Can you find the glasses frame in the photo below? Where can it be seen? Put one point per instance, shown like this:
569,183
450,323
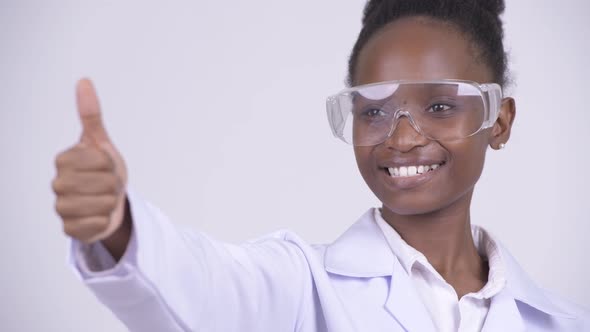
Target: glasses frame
490,92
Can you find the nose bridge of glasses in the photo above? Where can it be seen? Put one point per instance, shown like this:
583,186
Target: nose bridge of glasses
398,116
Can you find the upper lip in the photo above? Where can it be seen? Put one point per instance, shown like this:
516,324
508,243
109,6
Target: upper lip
399,162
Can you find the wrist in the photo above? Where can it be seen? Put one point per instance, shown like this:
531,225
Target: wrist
117,242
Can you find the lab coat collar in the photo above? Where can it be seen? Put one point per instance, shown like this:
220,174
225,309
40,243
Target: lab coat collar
410,312
524,289
503,312
362,251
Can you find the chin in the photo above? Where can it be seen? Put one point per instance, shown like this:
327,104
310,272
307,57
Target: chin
411,209
426,202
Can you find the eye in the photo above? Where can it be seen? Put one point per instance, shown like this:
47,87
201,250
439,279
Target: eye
373,112
436,108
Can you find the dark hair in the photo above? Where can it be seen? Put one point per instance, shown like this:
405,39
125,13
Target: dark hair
478,19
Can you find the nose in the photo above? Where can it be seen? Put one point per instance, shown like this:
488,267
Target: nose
404,134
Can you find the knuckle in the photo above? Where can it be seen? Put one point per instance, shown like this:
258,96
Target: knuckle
84,229
56,185
96,207
69,229
69,207
60,206
60,185
61,159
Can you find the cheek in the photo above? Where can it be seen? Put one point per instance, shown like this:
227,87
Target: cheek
366,166
468,161
363,160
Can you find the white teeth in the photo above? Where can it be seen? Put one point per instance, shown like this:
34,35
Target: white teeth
403,171
406,171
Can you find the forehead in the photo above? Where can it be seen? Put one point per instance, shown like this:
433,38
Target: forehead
419,48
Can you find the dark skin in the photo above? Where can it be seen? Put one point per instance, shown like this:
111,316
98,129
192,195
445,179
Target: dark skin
433,216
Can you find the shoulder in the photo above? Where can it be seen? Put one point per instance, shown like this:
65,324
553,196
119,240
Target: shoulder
538,305
565,315
286,242
541,306
576,310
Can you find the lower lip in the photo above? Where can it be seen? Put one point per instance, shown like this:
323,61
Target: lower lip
409,182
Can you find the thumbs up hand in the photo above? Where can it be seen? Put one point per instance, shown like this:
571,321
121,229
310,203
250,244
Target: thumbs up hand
91,180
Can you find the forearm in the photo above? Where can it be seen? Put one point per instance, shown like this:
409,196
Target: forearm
168,279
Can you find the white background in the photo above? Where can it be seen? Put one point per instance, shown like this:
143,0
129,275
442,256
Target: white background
218,109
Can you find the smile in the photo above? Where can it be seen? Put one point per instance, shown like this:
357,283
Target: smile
408,171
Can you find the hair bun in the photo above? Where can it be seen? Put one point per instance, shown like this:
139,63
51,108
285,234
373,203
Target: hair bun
494,7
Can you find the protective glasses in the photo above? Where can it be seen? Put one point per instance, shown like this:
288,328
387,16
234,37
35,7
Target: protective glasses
442,110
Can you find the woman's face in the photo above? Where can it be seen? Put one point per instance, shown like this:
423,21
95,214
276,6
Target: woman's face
421,49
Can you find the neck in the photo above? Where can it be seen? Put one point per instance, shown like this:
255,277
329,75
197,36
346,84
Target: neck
444,237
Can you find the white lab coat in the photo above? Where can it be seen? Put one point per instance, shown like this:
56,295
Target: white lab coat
171,280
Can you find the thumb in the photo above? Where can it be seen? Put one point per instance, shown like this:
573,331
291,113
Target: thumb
93,130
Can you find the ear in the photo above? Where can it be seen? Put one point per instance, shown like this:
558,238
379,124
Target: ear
501,130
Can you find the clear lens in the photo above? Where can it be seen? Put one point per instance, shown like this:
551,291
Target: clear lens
445,110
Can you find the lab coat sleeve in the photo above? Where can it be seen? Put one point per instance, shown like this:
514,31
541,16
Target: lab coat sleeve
174,280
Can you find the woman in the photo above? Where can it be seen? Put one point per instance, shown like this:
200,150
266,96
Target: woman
425,103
